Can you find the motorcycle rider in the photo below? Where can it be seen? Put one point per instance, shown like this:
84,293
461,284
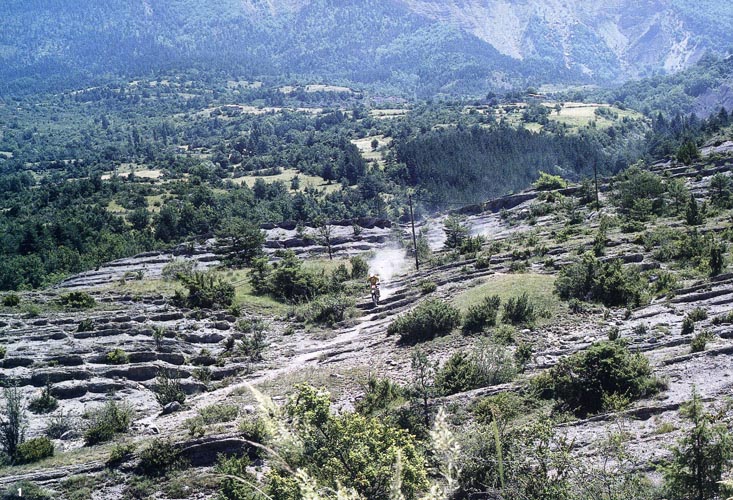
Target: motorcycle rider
373,281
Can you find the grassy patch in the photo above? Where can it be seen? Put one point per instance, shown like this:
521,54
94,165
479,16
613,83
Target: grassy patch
347,381
74,457
146,287
244,295
326,265
287,176
537,286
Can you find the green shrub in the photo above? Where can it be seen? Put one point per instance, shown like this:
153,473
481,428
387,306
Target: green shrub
522,356
13,420
483,261
218,413
287,279
248,325
716,257
81,487
195,426
85,325
428,320
519,310
471,245
503,334
3,351
504,406
701,456
117,357
255,429
11,300
697,314
726,318
237,480
34,450
30,491
253,345
547,182
159,458
77,300
203,374
353,450
168,388
582,382
359,267
119,453
178,269
45,403
688,326
205,290
326,309
636,184
427,287
606,282
700,341
455,232
641,329
106,422
486,365
379,396
60,425
481,316
518,266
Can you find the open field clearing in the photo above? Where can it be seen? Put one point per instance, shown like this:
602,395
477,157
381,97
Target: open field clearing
388,113
287,176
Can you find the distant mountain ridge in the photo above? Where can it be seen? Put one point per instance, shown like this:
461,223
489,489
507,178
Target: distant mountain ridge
416,46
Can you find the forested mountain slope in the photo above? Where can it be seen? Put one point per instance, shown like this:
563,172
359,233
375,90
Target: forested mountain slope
413,46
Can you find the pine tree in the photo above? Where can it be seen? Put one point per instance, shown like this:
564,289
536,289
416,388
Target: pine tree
700,456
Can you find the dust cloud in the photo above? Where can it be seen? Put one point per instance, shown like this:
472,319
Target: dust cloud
386,263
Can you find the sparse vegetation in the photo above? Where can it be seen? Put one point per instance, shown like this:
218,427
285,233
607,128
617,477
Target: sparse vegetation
85,325
700,341
106,422
326,310
168,388
45,403
159,458
120,452
183,161
488,364
25,490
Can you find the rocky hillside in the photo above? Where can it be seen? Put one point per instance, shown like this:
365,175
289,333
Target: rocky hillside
134,339
608,41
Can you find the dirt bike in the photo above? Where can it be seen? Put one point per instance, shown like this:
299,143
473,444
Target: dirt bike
375,295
